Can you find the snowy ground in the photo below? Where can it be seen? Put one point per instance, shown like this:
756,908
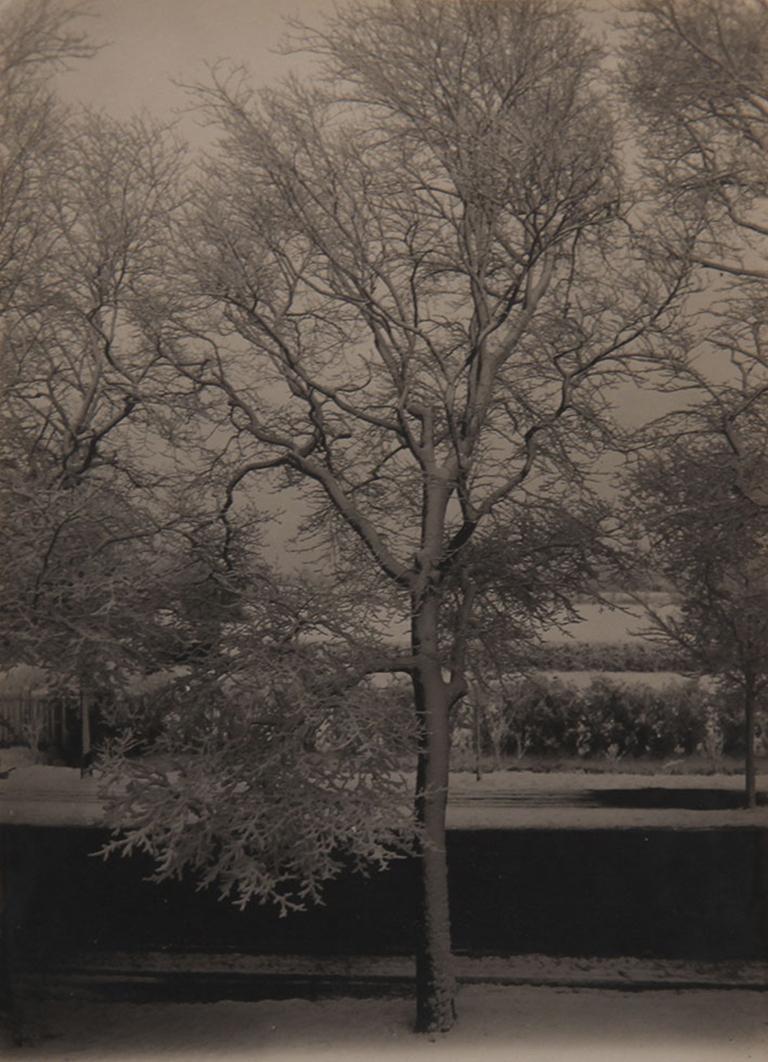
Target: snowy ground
520,1024
540,1014
41,795
561,800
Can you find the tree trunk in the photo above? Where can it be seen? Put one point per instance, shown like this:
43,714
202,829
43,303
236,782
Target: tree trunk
435,982
750,772
85,729
476,737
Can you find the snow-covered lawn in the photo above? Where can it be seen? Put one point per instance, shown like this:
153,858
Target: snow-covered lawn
583,971
499,800
551,800
519,1024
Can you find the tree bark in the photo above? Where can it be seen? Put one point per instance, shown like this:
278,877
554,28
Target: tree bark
750,771
476,736
85,729
435,981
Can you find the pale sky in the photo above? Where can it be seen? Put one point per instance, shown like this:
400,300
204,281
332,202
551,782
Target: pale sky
152,43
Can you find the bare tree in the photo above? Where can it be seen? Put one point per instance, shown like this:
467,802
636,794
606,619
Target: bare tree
86,406
695,71
695,75
36,38
409,288
87,414
76,367
704,532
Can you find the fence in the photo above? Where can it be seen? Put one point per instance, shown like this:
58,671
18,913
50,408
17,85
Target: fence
27,718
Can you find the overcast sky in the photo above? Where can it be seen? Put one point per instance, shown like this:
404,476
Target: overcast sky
152,43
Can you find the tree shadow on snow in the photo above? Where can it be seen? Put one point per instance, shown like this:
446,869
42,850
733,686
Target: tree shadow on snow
657,797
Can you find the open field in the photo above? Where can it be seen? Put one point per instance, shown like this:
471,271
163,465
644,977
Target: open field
623,621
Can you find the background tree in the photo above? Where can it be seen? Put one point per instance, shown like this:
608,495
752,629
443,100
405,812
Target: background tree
79,379
695,76
408,290
96,516
96,592
86,410
695,73
36,39
708,537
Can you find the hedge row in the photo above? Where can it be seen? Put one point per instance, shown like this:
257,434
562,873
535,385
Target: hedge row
603,656
545,717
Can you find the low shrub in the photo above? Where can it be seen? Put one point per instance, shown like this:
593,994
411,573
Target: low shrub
542,716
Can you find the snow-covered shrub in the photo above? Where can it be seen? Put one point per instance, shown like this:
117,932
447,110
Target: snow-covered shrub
268,784
606,718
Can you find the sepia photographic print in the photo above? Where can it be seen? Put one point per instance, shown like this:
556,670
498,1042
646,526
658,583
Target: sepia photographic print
384,530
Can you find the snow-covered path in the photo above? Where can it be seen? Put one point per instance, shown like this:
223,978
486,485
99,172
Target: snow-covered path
495,1023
